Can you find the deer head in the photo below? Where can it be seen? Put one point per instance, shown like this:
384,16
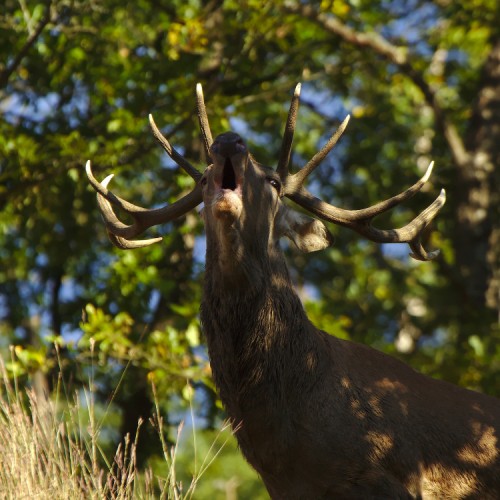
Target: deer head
234,180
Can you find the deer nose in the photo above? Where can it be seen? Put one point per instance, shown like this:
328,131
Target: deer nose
228,144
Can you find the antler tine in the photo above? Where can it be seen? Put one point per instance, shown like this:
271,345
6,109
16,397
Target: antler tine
299,178
423,220
286,144
113,224
124,244
175,155
360,220
203,119
121,233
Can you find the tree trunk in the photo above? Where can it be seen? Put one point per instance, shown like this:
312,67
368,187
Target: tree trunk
477,237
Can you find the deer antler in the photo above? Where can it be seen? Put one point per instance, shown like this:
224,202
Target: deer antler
121,234
358,220
203,119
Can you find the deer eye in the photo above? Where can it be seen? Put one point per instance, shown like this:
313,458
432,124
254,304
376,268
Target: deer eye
274,183
203,181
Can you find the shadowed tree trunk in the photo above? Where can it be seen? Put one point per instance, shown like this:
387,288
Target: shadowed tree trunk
478,234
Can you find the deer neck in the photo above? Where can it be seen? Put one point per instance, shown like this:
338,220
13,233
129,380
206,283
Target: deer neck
252,318
244,259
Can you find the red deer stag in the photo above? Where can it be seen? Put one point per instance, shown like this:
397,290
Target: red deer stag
316,416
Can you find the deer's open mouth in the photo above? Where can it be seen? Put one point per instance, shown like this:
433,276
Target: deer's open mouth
228,176
227,197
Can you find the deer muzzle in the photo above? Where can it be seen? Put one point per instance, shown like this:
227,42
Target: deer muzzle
230,157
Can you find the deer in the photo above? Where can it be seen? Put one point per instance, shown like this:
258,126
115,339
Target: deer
316,416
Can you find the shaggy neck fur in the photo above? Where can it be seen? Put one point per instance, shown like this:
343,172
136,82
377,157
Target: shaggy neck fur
253,320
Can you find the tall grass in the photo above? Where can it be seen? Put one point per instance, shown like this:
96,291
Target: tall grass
48,452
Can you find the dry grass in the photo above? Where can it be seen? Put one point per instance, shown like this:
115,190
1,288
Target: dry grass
48,453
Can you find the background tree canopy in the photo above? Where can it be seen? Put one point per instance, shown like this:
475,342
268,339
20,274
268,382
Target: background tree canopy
421,80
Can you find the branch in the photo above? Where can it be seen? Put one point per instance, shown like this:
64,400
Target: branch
9,69
396,55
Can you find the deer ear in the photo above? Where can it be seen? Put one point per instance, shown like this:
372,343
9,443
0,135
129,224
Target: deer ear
308,234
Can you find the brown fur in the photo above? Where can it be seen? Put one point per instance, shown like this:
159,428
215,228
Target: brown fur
316,416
